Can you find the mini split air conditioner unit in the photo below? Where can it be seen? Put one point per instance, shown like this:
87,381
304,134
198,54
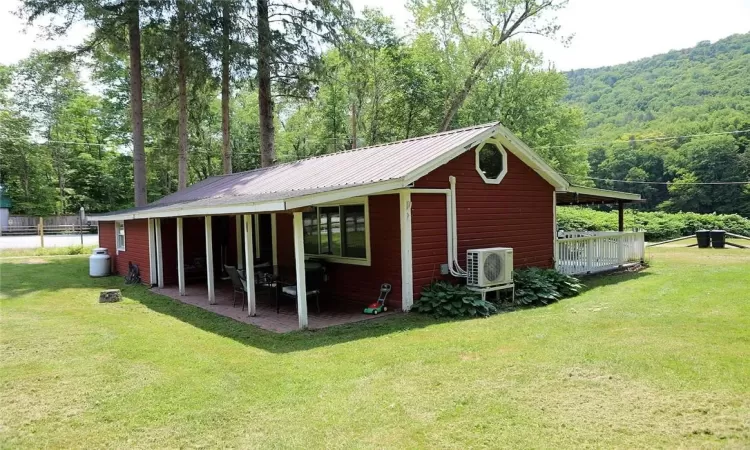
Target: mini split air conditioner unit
489,267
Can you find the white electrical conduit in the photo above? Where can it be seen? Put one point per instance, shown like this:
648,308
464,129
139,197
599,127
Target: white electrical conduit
453,266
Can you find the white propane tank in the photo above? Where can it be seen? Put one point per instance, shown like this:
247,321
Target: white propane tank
99,263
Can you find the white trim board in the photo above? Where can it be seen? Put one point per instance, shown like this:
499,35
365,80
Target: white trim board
583,190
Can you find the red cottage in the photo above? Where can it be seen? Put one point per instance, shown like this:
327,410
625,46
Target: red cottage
405,213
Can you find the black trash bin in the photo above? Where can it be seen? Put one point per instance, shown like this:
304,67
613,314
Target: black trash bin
718,238
704,238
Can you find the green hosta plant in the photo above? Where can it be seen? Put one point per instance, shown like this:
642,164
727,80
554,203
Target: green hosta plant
443,299
536,286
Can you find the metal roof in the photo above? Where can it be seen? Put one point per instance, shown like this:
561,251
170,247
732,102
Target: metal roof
374,165
332,177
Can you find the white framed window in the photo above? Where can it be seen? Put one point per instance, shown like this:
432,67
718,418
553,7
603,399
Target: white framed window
338,232
120,235
491,161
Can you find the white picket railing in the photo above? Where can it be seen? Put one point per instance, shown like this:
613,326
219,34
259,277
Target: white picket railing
590,252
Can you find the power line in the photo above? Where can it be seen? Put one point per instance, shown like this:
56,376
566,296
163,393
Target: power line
665,138
659,182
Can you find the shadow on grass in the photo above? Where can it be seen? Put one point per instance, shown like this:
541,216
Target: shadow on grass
606,279
20,279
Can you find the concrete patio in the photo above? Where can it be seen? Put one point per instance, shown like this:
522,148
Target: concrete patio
266,318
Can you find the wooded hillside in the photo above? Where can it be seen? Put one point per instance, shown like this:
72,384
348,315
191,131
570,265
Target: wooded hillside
700,90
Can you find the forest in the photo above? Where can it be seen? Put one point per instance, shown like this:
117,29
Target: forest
168,92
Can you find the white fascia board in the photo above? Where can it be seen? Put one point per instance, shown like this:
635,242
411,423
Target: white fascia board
448,156
343,194
198,211
530,158
603,193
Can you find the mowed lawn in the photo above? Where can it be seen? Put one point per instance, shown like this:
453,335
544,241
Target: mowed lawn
660,358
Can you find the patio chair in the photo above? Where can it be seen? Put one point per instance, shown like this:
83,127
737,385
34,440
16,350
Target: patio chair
314,273
238,285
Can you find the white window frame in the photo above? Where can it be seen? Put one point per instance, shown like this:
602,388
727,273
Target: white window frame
118,224
344,259
505,161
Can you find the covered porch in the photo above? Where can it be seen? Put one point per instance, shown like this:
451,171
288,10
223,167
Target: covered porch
266,316
248,267
587,252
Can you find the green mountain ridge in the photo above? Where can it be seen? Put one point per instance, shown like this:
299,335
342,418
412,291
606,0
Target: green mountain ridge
700,90
695,90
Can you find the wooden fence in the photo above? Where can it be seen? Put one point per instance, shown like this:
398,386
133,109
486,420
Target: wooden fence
30,225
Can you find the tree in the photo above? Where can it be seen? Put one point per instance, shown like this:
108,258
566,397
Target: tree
182,57
108,20
501,21
289,53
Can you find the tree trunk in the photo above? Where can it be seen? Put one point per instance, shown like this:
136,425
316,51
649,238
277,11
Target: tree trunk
182,132
265,100
226,150
354,126
458,100
136,102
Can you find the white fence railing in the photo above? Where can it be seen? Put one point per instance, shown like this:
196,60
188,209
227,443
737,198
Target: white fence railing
590,252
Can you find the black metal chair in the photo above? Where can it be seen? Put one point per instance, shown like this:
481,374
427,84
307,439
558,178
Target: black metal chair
314,275
238,285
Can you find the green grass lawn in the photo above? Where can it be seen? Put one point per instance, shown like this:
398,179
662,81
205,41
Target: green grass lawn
659,358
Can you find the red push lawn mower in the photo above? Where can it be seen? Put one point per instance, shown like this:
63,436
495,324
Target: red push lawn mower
379,306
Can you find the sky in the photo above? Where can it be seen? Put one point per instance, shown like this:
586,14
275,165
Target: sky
606,32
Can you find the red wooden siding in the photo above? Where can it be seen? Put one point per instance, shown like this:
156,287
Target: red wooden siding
352,283
136,247
429,226
107,240
516,213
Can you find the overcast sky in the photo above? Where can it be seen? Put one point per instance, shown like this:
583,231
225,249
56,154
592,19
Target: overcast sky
606,32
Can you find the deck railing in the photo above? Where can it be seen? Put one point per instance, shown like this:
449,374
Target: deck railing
590,252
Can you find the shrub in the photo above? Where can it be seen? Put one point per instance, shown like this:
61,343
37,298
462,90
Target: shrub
659,226
443,299
536,286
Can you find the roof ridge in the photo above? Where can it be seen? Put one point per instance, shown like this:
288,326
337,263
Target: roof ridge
416,138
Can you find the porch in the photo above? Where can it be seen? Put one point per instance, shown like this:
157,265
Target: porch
266,317
586,252
590,252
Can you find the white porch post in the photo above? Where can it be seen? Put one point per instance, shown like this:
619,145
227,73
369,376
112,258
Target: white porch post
210,262
153,276
555,250
238,238
159,254
299,266
180,256
249,264
407,276
275,255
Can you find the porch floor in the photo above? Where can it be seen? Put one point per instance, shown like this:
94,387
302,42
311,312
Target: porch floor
266,317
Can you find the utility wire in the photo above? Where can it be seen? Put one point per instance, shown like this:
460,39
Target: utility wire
658,182
665,138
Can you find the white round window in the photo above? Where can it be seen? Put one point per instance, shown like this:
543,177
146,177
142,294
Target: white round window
492,162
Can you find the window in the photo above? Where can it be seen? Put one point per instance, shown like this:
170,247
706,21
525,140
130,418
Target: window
492,162
337,233
120,235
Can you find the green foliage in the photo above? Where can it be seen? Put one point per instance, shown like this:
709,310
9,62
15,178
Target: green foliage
443,299
659,226
47,251
699,90
535,286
